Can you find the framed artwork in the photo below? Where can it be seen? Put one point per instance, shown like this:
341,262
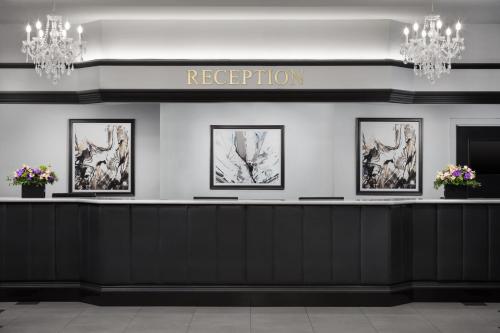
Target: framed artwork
101,156
247,157
389,156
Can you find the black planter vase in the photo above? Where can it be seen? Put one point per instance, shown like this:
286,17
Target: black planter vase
455,192
30,191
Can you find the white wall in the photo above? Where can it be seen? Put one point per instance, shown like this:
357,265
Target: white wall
11,37
246,39
251,39
185,147
38,134
173,142
315,77
319,143
438,136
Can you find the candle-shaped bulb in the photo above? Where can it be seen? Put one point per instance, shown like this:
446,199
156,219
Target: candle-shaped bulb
406,32
40,33
415,26
67,25
439,24
38,25
28,32
458,27
448,31
79,29
424,34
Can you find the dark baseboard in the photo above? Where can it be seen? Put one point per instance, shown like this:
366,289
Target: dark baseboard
152,295
251,95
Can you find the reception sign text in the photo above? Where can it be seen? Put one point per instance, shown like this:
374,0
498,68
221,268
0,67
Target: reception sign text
270,77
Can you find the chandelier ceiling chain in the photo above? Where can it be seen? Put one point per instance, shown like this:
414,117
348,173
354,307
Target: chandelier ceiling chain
51,50
432,50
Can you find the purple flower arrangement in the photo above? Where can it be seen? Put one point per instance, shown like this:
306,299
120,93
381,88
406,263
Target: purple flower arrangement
456,175
29,176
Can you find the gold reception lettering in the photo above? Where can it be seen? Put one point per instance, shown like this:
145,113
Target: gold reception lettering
216,77
277,77
206,77
259,73
243,77
233,76
297,77
247,74
192,73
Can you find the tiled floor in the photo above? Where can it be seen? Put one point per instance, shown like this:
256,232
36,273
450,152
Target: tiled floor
415,317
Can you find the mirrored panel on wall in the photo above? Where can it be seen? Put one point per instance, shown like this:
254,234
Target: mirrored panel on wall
101,156
247,157
389,156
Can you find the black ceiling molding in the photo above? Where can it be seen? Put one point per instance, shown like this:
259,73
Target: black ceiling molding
243,62
252,95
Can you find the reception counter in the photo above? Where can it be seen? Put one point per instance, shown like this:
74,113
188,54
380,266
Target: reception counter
255,252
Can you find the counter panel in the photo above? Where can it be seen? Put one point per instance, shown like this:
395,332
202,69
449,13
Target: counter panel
122,247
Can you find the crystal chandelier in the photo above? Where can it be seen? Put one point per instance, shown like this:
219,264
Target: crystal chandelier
431,50
51,49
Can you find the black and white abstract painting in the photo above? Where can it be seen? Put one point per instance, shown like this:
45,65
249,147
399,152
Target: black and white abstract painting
102,156
389,157
247,157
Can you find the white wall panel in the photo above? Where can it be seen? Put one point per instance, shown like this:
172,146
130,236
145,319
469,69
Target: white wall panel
185,147
251,39
315,77
38,134
319,140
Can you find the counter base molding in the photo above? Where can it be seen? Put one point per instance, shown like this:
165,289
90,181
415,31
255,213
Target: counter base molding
153,295
247,254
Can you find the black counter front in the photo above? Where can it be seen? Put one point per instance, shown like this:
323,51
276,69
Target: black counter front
249,253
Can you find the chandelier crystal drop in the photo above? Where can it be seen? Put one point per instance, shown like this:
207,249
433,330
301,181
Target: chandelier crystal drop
51,49
432,49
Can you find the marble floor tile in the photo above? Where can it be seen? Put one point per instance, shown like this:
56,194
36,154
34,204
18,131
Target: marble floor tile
38,322
334,310
161,319
100,322
333,323
490,314
71,317
8,315
460,322
405,309
6,305
283,319
401,323
220,320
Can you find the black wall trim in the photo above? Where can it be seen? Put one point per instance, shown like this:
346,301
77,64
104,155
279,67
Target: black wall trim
251,95
251,62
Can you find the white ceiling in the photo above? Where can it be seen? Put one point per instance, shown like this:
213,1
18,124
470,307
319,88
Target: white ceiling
470,11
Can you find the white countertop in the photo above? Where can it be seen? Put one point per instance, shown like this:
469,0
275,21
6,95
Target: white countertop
386,202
